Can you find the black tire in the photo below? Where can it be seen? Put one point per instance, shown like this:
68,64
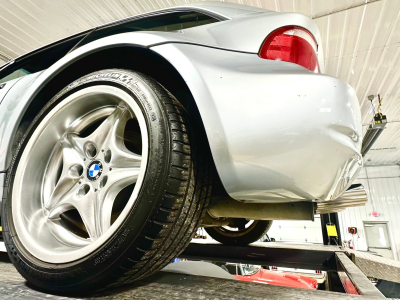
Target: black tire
240,237
167,212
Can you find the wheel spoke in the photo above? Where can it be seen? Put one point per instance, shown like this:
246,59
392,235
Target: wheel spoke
83,122
111,185
65,235
64,204
87,207
83,199
120,157
112,128
53,168
115,151
72,172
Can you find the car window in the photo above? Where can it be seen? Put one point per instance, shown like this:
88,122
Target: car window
232,269
250,269
164,22
39,59
16,74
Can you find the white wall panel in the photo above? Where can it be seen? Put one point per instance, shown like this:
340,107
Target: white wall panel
297,231
383,187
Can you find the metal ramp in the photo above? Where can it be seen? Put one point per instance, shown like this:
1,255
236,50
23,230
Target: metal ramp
348,265
345,266
375,266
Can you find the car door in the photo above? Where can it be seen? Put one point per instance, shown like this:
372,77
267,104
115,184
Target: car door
378,240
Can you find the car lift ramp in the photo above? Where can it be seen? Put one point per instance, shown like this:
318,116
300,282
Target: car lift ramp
348,268
167,285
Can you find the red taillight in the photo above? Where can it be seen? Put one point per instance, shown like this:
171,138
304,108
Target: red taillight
292,44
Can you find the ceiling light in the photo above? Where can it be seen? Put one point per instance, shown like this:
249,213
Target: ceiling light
374,130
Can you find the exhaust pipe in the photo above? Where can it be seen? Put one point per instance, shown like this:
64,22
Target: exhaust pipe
229,208
356,195
221,208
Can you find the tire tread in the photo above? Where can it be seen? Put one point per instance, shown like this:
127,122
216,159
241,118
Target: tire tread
184,202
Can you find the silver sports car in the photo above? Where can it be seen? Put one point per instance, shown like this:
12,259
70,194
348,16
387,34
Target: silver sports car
117,143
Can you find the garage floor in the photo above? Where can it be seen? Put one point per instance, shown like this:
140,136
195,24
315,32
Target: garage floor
165,285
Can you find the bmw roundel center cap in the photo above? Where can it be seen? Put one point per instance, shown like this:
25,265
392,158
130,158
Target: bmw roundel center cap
94,170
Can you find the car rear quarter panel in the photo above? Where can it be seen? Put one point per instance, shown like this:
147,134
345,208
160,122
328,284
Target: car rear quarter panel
277,131
247,33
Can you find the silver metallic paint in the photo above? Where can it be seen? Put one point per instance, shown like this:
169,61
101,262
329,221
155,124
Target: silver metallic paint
2,178
293,138
296,135
8,85
12,109
248,32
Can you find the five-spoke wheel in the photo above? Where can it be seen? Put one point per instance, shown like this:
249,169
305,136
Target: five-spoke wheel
105,187
92,158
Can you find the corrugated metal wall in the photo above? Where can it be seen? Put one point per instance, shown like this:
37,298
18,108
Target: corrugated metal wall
383,188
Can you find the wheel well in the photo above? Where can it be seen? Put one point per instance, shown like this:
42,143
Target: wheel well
127,57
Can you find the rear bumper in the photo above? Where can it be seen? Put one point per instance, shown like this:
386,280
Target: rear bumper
300,138
296,136
277,131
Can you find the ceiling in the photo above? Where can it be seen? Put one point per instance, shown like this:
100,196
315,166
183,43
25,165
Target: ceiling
361,43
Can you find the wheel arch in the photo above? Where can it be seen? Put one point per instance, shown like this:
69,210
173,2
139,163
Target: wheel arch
119,55
129,57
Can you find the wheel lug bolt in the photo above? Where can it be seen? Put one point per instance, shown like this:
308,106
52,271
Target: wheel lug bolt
90,149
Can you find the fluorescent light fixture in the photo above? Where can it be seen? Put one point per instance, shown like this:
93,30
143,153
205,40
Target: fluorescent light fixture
374,130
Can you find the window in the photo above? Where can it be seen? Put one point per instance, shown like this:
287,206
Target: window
16,74
164,22
250,269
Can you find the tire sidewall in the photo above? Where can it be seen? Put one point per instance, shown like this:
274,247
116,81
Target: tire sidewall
92,268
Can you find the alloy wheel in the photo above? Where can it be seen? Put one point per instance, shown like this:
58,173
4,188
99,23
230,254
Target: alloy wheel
80,174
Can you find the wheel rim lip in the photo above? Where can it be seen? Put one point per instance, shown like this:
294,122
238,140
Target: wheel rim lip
60,255
226,231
